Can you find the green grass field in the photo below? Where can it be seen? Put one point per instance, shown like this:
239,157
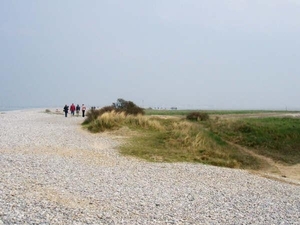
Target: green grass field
277,138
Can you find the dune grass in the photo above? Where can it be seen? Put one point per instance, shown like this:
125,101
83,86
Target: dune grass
176,139
173,140
197,147
114,120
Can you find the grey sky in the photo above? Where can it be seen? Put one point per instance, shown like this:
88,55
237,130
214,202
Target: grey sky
234,54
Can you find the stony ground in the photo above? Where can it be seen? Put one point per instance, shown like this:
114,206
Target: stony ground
53,172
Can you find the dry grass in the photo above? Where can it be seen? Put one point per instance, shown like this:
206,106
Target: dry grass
172,140
114,120
184,141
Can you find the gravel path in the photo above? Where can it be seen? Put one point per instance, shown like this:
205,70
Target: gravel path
52,172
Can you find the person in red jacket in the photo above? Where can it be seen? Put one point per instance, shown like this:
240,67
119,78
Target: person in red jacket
72,109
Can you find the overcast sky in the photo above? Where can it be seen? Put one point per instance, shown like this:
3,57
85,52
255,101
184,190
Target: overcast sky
209,54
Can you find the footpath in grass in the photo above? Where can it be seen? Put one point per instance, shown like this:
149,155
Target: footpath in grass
277,138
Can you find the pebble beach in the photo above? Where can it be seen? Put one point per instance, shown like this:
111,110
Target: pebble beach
54,172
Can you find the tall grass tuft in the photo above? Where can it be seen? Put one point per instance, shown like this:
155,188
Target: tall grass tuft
114,120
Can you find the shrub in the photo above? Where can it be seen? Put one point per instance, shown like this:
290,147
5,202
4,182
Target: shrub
91,115
128,107
121,106
47,111
202,116
106,109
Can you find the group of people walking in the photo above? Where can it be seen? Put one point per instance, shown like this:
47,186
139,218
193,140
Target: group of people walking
74,108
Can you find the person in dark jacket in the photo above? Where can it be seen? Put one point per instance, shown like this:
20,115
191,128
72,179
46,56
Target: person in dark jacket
66,110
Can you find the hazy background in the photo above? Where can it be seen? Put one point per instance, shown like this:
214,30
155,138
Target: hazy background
212,54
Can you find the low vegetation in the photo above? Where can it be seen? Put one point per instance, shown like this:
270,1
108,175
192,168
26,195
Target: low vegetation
166,112
183,141
277,138
195,137
53,112
197,116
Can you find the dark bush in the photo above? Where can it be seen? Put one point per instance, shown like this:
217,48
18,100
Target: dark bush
106,109
198,116
91,115
120,106
128,107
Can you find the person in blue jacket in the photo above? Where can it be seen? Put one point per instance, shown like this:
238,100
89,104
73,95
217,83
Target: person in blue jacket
77,110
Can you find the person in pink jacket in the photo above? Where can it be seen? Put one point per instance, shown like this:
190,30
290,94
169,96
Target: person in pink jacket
83,108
